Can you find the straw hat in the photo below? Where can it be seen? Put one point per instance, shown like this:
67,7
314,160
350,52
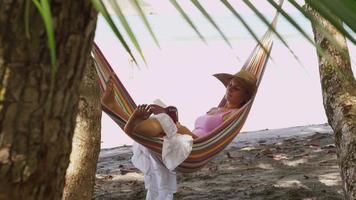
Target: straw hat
247,80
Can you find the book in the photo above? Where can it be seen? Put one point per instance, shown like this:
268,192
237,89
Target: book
171,111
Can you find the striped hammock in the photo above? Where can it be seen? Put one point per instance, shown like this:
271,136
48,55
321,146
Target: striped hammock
204,148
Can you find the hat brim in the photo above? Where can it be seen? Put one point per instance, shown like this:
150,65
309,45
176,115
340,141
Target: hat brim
226,78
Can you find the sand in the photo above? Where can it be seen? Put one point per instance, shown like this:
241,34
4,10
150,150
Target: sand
291,163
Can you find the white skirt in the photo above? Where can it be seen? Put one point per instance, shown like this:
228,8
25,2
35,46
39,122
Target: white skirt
160,180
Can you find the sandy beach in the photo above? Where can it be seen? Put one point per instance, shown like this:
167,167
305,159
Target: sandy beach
290,163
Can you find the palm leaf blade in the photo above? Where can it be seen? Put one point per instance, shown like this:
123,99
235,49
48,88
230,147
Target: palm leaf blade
265,21
187,19
98,4
127,27
45,11
145,21
249,29
320,8
210,19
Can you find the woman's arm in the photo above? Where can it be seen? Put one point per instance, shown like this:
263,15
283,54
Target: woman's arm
184,130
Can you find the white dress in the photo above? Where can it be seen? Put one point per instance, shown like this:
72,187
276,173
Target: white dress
160,179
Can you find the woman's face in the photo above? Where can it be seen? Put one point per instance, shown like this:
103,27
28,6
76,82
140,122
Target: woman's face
235,93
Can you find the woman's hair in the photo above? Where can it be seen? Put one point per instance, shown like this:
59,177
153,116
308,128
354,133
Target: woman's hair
247,97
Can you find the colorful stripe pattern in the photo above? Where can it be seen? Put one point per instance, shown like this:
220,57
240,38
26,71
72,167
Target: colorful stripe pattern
205,148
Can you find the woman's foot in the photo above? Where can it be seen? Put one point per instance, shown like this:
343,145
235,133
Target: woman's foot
142,112
108,97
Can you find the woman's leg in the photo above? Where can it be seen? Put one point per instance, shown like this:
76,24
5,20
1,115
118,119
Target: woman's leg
109,101
150,127
139,121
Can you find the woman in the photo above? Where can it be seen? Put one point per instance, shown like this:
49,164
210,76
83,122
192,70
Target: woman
239,89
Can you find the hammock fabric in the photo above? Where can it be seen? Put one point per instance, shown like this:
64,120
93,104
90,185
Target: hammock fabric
205,148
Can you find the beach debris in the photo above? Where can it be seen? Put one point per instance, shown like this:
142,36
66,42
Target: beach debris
318,136
119,158
108,177
328,146
229,155
265,152
248,148
331,151
314,145
125,171
290,140
262,141
279,156
301,155
214,168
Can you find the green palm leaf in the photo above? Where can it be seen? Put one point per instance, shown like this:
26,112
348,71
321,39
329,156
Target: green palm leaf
187,19
98,4
45,11
321,28
265,21
249,29
144,19
210,19
344,10
127,27
301,30
325,12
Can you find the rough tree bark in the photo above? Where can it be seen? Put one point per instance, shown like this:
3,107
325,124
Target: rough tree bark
339,98
80,177
36,129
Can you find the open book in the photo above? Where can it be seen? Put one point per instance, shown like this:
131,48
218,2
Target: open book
160,107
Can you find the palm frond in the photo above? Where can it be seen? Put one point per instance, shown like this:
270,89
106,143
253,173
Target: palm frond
127,27
319,26
344,10
137,6
244,23
210,19
45,11
187,19
265,21
320,50
320,7
100,7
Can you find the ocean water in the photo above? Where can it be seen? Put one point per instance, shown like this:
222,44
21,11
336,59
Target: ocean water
179,72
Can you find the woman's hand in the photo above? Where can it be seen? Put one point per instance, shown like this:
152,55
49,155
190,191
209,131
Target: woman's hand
156,109
141,113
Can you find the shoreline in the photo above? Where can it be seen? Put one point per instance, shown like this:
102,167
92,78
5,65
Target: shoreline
250,136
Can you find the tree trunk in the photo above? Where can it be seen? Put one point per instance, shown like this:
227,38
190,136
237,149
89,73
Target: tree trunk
36,129
80,177
339,98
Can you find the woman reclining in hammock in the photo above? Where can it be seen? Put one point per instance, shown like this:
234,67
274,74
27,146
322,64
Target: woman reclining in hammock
239,89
